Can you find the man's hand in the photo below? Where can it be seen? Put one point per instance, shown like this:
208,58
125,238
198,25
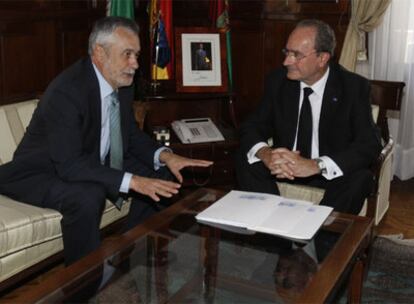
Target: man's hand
175,163
287,164
152,187
273,159
296,165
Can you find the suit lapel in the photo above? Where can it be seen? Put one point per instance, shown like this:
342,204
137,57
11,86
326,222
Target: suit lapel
332,98
95,105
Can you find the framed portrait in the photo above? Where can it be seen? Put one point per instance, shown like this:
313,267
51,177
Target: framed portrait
201,60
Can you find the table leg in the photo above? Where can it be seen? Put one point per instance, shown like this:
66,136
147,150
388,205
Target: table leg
357,277
161,269
210,260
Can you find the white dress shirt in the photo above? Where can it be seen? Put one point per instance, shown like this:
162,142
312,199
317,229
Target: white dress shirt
105,90
333,170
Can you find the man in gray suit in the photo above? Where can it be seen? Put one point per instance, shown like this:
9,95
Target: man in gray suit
319,117
64,161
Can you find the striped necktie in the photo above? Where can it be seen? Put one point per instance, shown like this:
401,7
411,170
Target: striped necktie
115,138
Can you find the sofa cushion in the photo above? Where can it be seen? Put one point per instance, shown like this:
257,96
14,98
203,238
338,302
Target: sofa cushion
29,234
23,225
14,119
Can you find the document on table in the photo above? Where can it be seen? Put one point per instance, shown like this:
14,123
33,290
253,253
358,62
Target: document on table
249,212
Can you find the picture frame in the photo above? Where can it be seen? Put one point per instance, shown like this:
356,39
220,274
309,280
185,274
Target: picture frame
201,63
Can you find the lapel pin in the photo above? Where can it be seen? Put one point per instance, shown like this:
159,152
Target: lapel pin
334,99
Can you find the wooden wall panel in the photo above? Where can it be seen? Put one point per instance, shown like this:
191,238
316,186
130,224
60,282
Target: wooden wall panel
28,60
260,30
257,50
73,41
38,39
248,65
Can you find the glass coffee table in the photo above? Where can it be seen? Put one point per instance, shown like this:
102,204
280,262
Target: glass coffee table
171,258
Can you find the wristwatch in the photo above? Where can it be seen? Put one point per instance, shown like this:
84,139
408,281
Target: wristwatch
321,165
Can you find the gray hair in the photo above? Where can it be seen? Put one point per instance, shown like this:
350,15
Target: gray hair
325,40
103,29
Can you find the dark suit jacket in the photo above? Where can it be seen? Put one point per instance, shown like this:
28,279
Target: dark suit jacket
62,140
347,133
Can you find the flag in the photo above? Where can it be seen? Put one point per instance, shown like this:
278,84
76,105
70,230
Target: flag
161,37
121,8
219,16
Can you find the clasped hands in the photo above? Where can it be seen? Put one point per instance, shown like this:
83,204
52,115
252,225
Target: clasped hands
154,187
285,163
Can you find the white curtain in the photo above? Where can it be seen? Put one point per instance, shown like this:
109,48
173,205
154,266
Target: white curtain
391,57
366,15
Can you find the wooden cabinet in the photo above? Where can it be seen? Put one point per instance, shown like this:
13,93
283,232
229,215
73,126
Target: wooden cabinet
220,173
163,108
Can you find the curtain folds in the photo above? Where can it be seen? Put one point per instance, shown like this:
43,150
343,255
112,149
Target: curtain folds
366,16
391,57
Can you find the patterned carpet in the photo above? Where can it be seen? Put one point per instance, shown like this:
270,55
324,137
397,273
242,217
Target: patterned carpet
391,272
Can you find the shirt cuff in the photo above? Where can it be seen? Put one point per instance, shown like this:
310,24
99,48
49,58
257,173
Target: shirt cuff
332,169
157,163
251,155
125,182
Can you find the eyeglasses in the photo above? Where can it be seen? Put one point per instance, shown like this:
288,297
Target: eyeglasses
295,55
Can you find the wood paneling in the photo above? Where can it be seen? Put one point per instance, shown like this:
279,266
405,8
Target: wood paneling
27,54
38,39
248,66
260,30
73,40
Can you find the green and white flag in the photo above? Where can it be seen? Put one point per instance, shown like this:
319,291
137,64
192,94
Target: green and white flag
121,8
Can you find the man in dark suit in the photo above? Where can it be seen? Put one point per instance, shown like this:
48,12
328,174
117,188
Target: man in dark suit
67,159
319,118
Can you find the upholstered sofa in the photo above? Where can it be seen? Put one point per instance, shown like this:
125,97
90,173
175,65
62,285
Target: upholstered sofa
28,234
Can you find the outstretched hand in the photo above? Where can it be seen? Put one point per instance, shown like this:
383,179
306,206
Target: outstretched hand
176,162
153,187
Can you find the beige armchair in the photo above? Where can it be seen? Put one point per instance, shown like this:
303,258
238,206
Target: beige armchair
385,95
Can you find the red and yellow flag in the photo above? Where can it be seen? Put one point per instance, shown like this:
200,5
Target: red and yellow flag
161,37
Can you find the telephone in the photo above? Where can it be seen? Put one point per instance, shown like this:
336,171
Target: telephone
196,130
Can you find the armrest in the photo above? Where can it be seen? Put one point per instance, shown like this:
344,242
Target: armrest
376,170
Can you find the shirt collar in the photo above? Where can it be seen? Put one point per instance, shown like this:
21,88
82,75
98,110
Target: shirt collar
104,87
319,86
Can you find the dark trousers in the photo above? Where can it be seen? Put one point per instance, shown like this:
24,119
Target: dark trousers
345,194
82,204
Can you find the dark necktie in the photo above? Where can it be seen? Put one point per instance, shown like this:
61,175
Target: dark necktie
115,138
304,140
